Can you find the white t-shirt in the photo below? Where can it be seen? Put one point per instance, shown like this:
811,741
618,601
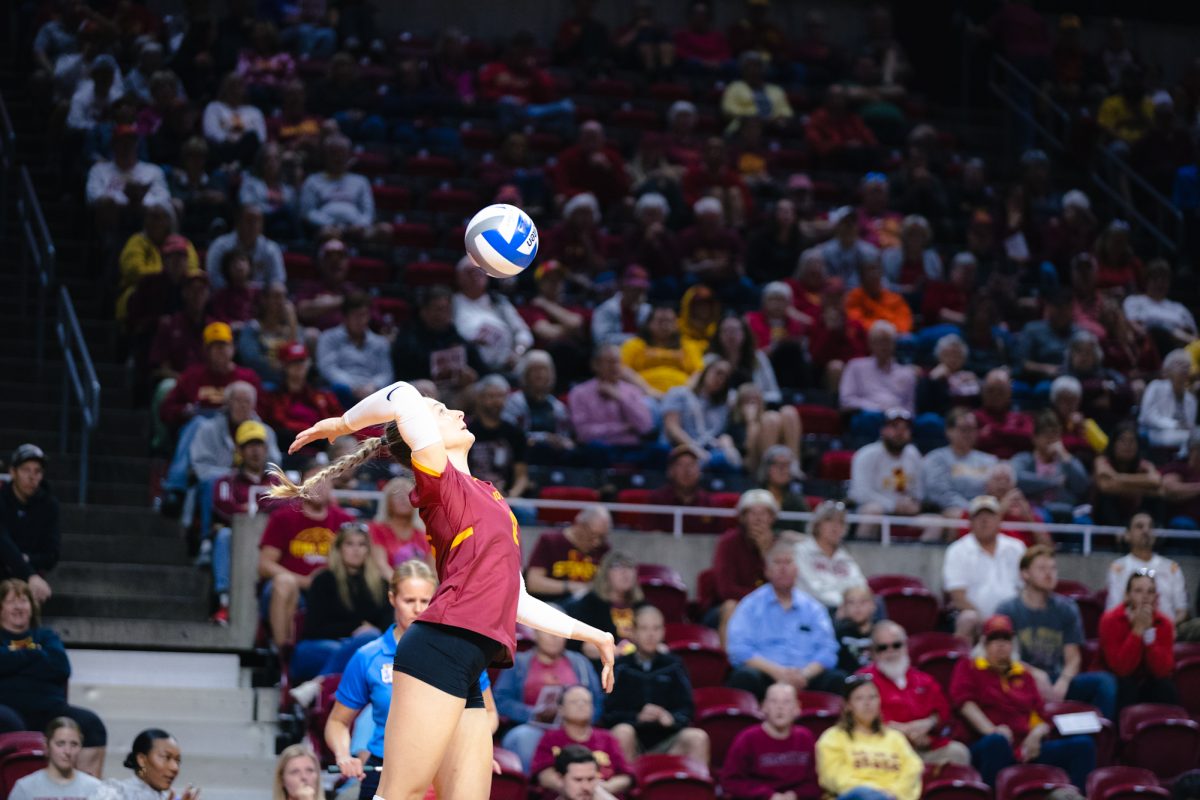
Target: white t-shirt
989,578
1144,310
38,786
1168,580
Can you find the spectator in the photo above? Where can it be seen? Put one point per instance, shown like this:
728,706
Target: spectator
262,65
990,344
871,302
1082,436
576,710
912,701
297,774
949,384
294,547
952,475
1181,488
649,242
125,185
430,348
645,41
885,475
1128,114
30,540
1000,701
947,301
778,634
860,758
201,194
523,90
1042,344
143,255
352,358
397,534
778,475
59,778
773,250
236,301
339,203
853,619
837,134
1003,431
319,302
911,265
711,250
231,495
234,128
535,411
1106,392
154,758
1169,580
592,165
739,561
655,360
564,563
1118,269
1137,642
699,417
262,341
982,569
712,178
826,568
1126,483
775,760
607,412
1170,323
612,600
559,327
1049,475
1049,631
682,488
530,694
499,452
619,318
488,320
266,259
846,253
35,668
753,95
872,385
771,335
650,709
178,341
810,285
699,47
877,225
835,341
296,405
268,187
580,775
1014,507
1167,414
347,606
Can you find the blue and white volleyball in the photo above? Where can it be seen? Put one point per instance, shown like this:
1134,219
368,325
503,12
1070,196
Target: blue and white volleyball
502,240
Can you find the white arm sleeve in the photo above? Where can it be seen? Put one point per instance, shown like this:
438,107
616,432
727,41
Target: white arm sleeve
543,616
404,404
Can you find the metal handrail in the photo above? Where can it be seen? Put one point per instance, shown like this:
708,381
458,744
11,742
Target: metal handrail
8,148
1167,213
38,255
79,375
1057,113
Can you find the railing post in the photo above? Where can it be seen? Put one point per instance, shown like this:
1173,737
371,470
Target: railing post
885,531
677,523
85,436
66,400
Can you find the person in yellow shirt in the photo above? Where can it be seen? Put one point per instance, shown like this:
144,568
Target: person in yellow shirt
860,758
699,315
656,360
1128,114
752,96
870,301
142,254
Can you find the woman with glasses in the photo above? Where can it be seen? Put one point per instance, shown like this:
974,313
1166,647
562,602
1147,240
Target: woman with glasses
860,758
827,570
1137,644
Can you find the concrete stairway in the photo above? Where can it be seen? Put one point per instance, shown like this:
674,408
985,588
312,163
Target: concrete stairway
225,729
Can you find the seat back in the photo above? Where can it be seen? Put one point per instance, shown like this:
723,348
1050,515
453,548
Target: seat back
932,641
914,609
674,787
21,740
1108,783
511,783
953,782
664,589
819,711
886,580
561,516
722,727
655,765
706,589
1187,683
706,666
1029,781
723,697
319,715
17,765
637,520
685,633
1163,740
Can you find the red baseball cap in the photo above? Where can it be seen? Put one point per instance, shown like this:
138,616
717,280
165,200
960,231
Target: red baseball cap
175,244
124,130
998,626
636,275
293,351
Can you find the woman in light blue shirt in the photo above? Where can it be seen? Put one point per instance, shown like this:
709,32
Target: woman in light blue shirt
368,678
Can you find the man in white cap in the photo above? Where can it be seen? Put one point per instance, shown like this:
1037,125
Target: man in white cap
982,569
846,251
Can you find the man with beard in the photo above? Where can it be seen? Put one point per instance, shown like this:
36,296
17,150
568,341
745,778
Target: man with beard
885,476
776,759
911,701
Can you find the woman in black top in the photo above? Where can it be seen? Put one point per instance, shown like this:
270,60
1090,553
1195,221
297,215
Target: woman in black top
347,607
609,606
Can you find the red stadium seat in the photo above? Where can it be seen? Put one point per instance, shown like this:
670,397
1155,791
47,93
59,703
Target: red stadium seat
1105,739
395,307
1029,781
1124,783
835,465
428,273
665,590
667,777
17,765
939,664
723,713
684,633
512,783
452,201
933,641
372,163
953,782
1072,589
21,740
725,500
706,589
392,199
725,697
558,516
706,666
370,271
1160,738
474,138
886,580
820,419
638,521
432,167
1090,609
916,610
413,234
819,711
299,266
1187,682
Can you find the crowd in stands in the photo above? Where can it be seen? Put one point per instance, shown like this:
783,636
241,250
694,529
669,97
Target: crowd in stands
762,266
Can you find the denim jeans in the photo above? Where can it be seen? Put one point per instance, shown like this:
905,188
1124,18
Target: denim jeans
864,793
222,558
1074,754
523,740
314,657
1097,688
179,473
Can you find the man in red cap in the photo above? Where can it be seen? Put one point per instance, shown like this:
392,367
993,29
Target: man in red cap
297,405
621,316
161,293
1000,701
319,302
179,339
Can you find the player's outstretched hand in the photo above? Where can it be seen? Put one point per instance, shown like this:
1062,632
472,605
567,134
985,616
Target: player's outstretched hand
608,655
329,428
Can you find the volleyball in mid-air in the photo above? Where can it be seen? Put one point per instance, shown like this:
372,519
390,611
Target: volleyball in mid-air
502,240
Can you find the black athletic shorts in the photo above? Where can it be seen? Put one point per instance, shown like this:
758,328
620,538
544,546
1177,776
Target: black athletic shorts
447,658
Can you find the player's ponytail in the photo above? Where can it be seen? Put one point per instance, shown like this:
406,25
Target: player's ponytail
286,489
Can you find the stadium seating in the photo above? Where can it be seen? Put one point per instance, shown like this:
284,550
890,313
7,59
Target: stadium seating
819,711
561,516
1029,782
1187,682
953,782
723,713
1124,783
664,589
1105,739
511,783
1161,738
667,777
915,609
699,647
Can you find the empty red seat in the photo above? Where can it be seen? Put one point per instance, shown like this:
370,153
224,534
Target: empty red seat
706,589
557,516
719,697
1105,738
370,271
820,419
684,633
18,764
667,777
452,201
511,783
723,713
664,589
392,199
706,666
819,711
835,465
953,782
395,307
372,163
1187,682
1161,738
1029,781
939,664
428,273
885,580
931,641
414,234
1124,783
432,167
634,519
725,500
299,266
474,138
1072,589
914,609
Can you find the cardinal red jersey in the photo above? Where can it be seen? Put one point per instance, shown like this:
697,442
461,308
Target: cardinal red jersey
475,543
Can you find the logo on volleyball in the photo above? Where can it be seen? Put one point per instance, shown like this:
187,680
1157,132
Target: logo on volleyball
514,239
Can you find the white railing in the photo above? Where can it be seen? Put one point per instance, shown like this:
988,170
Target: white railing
1085,533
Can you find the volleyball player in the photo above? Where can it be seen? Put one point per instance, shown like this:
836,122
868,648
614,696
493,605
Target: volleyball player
437,729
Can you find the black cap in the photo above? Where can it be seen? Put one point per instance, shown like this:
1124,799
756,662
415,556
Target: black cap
26,452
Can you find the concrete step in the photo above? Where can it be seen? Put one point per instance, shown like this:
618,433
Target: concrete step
52,370
41,415
113,606
84,629
105,439
48,389
149,581
225,739
136,520
181,704
130,469
156,671
104,493
120,548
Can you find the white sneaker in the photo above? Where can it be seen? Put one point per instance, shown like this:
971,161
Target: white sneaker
204,557
306,693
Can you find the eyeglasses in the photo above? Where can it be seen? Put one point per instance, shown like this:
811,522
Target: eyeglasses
1144,572
883,647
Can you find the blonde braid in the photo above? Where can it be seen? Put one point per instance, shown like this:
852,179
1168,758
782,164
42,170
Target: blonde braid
285,488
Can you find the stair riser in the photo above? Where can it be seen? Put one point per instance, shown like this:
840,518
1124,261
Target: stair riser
127,580
159,608
106,548
136,521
